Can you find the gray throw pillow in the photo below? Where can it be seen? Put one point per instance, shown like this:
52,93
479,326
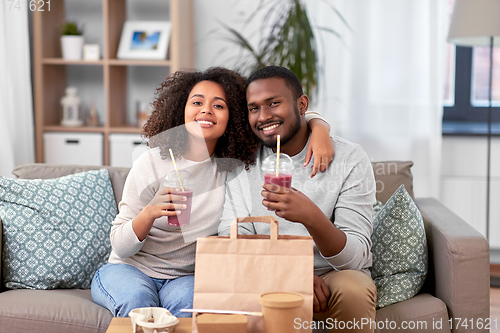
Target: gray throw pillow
399,249
56,231
389,175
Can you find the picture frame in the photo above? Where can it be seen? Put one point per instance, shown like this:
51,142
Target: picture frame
144,40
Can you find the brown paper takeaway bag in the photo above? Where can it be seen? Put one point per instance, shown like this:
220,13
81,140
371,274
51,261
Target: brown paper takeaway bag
232,272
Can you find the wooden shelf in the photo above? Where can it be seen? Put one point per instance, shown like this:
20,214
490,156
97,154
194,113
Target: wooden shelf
52,76
122,62
84,129
60,61
127,129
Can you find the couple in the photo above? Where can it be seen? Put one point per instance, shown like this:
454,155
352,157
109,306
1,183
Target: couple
152,263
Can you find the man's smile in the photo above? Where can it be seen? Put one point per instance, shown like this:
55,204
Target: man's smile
269,128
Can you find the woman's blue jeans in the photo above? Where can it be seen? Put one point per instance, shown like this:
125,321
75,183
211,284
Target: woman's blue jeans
121,288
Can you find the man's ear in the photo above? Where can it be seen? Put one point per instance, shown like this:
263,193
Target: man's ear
303,104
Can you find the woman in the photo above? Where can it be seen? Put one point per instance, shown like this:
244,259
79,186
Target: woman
202,118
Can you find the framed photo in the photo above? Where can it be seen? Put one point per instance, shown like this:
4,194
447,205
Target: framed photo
144,40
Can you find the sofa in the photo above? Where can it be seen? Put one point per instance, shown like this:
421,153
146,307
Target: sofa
456,287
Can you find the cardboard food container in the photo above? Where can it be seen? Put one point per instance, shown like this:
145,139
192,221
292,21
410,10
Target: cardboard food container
280,309
153,320
221,323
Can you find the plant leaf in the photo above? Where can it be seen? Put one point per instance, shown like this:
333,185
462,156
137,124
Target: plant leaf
336,11
330,30
289,40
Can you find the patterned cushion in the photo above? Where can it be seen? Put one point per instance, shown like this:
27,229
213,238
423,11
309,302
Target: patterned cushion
399,249
56,231
377,207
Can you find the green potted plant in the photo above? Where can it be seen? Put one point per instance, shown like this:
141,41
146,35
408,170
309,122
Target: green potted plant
71,41
288,41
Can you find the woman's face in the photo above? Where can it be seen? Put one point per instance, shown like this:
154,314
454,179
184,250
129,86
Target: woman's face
206,112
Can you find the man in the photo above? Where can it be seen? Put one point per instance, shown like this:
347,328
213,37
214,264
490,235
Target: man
334,207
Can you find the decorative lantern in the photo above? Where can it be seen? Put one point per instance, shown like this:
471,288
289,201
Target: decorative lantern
144,111
70,103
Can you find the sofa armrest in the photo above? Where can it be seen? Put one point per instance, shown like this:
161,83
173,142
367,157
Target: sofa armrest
458,264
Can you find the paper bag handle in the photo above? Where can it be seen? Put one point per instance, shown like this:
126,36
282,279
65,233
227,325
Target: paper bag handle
266,219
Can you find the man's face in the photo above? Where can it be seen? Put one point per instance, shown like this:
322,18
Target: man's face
272,110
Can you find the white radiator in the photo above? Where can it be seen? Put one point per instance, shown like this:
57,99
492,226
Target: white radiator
466,196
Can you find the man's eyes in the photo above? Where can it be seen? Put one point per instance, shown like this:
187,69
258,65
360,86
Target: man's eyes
271,104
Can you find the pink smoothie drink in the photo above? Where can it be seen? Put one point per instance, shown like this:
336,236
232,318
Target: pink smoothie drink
183,219
281,179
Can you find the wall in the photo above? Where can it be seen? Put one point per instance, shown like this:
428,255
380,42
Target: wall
463,184
212,47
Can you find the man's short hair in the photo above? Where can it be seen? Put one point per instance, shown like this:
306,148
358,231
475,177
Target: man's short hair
291,80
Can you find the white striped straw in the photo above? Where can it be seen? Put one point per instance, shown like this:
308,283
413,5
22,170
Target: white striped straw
176,171
278,157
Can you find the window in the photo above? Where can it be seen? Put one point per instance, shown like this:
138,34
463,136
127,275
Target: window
471,87
480,76
466,90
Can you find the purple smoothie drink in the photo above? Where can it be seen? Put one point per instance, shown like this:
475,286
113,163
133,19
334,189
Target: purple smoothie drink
278,173
182,181
183,219
284,180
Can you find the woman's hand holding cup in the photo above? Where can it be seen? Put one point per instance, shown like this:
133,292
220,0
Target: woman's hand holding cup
163,204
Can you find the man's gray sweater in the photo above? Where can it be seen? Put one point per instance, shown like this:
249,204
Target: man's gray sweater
345,193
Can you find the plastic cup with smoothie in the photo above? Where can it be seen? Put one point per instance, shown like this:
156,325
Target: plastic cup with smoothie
278,172
183,182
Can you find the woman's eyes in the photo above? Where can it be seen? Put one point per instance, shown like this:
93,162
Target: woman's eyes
218,106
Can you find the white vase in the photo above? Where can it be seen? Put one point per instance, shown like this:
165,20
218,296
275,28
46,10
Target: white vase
72,47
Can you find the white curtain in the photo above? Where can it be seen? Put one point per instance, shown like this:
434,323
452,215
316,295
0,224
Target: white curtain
16,109
382,81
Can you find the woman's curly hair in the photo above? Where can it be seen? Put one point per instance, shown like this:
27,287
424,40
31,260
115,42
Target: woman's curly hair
238,142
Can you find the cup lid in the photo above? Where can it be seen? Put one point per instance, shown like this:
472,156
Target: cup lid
285,163
281,300
181,178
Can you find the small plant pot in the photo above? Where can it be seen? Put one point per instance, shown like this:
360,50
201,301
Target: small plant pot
71,47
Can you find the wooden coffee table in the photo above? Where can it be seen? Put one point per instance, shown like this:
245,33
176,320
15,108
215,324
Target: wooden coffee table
124,325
